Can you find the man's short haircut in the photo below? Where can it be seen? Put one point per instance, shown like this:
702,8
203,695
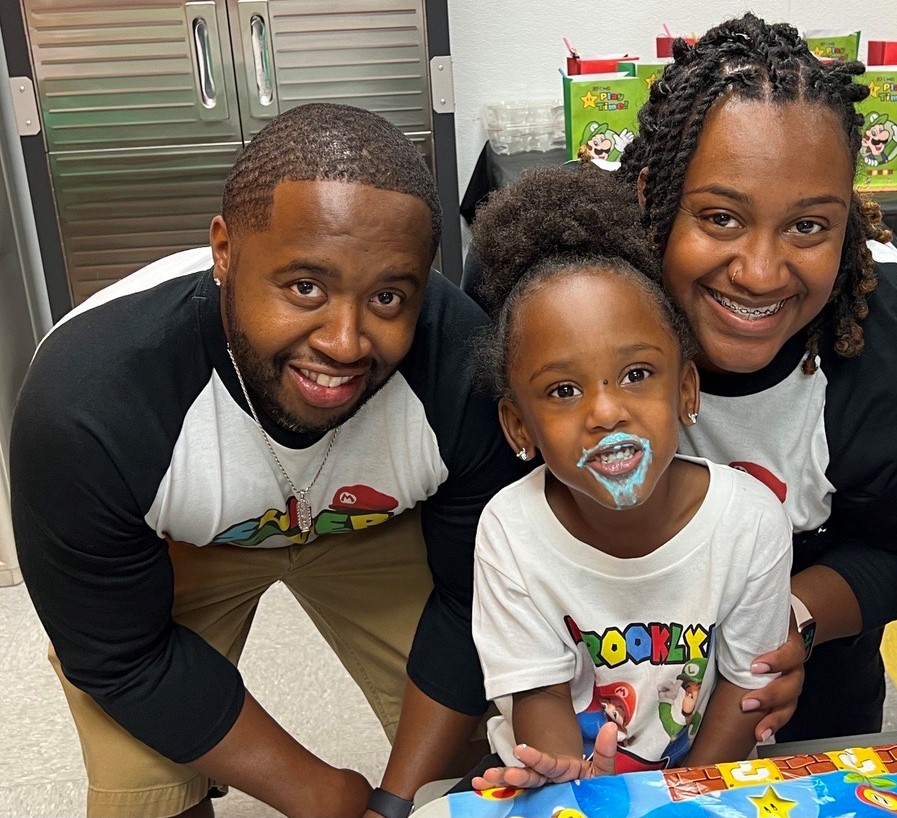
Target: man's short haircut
325,142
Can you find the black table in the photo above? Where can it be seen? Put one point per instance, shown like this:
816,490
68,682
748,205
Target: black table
494,171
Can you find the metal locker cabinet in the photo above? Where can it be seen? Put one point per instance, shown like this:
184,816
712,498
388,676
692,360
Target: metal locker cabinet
369,53
120,210
140,133
146,104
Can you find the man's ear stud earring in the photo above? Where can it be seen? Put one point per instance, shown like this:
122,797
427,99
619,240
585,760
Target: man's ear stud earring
693,417
522,454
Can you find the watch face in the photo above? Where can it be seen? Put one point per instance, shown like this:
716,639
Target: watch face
808,634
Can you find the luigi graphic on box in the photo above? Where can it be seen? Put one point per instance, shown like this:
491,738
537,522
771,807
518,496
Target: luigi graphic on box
603,145
879,139
681,732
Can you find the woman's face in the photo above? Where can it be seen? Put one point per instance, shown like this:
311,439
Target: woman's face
756,243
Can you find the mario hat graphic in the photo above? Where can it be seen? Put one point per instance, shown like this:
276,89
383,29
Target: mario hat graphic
621,695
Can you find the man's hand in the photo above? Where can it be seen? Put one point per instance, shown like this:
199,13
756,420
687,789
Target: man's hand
779,697
548,768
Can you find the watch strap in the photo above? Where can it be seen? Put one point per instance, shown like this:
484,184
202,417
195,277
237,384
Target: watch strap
802,613
389,805
806,624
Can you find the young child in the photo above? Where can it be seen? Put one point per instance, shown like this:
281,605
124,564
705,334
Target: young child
618,583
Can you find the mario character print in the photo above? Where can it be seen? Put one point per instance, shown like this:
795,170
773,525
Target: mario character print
603,145
681,694
610,702
352,508
879,139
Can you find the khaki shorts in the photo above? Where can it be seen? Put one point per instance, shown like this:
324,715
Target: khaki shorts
341,580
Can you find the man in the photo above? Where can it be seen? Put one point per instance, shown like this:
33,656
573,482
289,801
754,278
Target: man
305,379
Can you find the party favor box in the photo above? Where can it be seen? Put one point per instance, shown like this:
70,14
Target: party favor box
648,71
878,152
834,46
601,115
859,782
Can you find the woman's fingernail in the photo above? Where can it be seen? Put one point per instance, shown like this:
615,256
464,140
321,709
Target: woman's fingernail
750,704
765,735
760,667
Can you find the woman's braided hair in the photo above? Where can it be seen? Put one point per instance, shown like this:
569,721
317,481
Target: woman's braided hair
750,59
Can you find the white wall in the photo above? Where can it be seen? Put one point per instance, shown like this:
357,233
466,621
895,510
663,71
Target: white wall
512,49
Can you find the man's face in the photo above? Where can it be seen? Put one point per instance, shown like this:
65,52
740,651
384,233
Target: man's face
320,307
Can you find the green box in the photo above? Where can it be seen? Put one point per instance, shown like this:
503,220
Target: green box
840,46
648,71
601,115
878,154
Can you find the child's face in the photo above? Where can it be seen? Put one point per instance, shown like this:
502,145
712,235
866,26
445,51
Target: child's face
597,380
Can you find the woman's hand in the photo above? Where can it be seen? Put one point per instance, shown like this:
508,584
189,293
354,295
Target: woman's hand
550,768
779,697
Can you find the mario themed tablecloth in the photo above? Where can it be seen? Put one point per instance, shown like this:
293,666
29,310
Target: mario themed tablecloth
856,782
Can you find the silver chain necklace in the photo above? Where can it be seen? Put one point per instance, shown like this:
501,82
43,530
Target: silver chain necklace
306,518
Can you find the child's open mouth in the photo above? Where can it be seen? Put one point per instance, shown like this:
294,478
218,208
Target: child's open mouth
616,456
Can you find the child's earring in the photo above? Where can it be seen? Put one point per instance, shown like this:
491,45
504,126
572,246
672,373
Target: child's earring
217,282
693,417
522,454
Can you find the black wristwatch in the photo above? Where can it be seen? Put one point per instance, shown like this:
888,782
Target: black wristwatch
806,625
389,805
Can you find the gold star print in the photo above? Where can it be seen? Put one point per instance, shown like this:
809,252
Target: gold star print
874,90
772,804
589,100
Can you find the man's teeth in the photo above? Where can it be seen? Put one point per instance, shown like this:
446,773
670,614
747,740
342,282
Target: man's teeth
324,380
750,313
621,453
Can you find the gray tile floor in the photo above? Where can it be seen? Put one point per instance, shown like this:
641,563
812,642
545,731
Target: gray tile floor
41,773
40,761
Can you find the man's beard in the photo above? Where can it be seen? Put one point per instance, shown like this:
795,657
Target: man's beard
265,380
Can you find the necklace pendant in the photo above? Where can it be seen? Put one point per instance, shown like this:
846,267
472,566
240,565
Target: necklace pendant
303,513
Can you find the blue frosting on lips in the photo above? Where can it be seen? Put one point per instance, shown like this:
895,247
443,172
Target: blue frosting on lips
624,489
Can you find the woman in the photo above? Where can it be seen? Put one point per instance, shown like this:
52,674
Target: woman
744,168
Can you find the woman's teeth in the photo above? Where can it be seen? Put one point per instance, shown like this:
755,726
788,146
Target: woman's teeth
324,380
751,313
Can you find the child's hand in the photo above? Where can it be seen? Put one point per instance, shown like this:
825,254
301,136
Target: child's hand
549,768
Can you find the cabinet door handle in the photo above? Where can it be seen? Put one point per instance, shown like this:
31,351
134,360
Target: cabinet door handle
259,66
203,53
261,59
